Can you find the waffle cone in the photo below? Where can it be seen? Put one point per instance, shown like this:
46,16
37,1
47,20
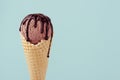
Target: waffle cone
36,57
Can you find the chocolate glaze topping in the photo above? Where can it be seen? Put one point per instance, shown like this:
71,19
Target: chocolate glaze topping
43,30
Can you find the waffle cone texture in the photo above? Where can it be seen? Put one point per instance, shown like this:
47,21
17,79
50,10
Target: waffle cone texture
36,57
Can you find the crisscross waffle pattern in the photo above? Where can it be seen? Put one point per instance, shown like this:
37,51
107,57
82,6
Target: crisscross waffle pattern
36,57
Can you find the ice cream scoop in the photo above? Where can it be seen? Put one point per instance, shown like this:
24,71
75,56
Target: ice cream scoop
36,27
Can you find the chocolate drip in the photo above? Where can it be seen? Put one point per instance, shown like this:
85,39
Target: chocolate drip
24,22
50,39
51,29
46,35
42,27
27,30
20,28
35,25
49,48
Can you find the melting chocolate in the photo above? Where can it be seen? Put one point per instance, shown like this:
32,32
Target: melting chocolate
27,30
35,25
24,22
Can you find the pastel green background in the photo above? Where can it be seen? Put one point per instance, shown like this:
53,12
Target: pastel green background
86,43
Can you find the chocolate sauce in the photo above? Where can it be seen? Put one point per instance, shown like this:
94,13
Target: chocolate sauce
20,29
24,22
44,20
49,49
42,28
35,19
27,30
50,40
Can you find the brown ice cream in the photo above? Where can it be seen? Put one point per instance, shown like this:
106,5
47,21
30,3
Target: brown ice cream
36,27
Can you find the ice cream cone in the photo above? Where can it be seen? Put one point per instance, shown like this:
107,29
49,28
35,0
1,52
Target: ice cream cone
36,57
36,33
